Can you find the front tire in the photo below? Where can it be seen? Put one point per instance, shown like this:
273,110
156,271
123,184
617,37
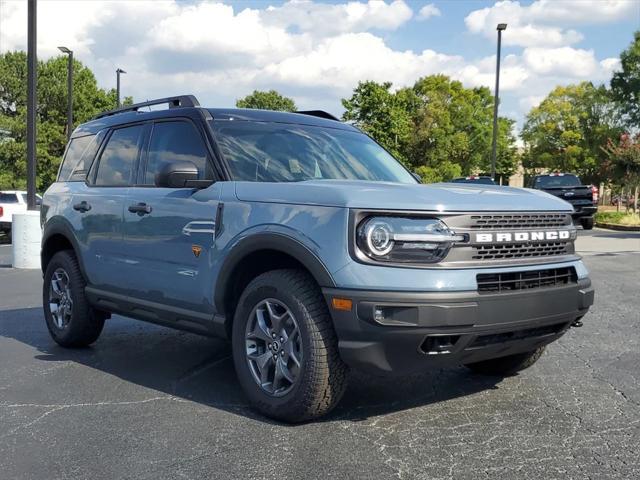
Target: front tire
509,365
70,319
285,349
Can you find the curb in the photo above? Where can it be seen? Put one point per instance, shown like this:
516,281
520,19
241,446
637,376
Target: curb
622,228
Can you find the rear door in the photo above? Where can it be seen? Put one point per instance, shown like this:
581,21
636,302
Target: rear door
169,245
99,204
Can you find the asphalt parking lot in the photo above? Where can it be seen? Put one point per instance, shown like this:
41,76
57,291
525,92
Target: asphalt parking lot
148,402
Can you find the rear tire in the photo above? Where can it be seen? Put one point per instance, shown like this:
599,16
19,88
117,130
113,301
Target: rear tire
587,223
282,324
71,321
505,366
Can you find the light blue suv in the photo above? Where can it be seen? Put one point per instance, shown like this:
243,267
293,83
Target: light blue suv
307,245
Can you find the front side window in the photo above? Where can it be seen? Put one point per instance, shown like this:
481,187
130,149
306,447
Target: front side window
279,152
174,142
119,157
78,158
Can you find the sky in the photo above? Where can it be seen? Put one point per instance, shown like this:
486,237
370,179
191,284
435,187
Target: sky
316,51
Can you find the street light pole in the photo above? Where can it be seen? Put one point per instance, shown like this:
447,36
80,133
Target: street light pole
69,90
118,72
32,72
500,28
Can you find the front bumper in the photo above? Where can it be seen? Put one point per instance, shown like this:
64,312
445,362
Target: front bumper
420,330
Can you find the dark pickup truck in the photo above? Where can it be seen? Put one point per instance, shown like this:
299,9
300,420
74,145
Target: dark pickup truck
568,187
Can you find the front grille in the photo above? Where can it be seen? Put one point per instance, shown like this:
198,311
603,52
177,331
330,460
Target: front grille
520,220
500,338
519,250
513,281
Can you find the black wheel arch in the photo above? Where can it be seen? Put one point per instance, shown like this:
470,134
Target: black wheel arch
271,248
58,235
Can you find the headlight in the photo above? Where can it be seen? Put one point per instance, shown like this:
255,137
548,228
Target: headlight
405,240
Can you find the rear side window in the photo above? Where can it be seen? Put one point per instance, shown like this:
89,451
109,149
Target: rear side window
172,142
119,157
78,158
8,198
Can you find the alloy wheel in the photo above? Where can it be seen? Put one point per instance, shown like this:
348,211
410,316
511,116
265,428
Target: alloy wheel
60,298
273,347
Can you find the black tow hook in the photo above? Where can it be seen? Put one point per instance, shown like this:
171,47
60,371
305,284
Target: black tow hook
577,323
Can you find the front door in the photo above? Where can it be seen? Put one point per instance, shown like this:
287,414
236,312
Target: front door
170,232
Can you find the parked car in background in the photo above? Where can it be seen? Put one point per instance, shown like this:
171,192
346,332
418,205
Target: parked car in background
12,201
567,186
475,179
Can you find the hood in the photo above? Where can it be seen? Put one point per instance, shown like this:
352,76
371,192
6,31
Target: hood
440,197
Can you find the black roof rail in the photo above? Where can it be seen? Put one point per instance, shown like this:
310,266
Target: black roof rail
319,113
173,102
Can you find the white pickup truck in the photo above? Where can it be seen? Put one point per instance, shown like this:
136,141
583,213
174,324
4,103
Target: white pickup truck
12,201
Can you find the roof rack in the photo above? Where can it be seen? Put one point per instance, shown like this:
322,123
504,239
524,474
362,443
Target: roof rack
319,113
173,102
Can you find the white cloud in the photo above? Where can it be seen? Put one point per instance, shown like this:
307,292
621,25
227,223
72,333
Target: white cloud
544,23
428,11
314,52
610,65
324,20
565,61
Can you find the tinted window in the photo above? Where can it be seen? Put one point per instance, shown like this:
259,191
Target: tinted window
278,152
8,198
176,141
78,158
551,181
119,157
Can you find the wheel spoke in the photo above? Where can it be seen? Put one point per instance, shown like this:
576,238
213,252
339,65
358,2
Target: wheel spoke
263,361
274,317
260,330
278,375
290,351
286,373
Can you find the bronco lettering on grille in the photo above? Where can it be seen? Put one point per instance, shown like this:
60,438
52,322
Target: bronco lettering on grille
504,237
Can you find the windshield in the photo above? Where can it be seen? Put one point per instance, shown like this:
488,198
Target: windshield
279,152
552,181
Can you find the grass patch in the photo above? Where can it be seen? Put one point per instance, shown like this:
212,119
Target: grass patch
618,218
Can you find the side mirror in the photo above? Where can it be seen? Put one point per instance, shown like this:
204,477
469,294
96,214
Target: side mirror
181,174
416,176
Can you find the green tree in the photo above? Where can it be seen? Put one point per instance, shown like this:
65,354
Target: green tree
88,100
383,115
568,129
623,165
625,84
270,100
438,127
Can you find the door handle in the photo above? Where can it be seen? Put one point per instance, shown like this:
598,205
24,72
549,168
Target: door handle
140,208
82,207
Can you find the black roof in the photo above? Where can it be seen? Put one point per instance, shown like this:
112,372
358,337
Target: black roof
241,114
254,115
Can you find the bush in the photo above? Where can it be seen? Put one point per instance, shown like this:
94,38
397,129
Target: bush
619,218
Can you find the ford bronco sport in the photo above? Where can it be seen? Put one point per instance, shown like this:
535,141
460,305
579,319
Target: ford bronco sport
307,245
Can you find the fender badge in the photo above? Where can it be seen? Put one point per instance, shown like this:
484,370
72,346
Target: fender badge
196,249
